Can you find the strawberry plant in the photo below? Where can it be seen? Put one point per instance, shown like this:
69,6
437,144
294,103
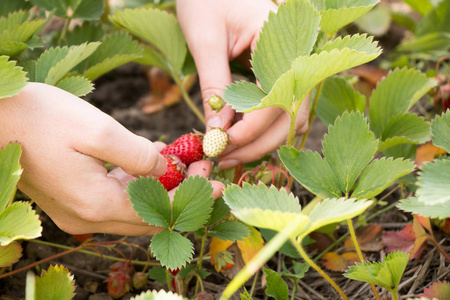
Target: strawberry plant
300,56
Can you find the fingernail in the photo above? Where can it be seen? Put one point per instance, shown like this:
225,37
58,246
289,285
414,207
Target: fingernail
227,164
161,167
214,122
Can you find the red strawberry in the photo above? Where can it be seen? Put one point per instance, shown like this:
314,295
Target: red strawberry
187,147
119,279
174,174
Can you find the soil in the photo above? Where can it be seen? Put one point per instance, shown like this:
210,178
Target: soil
120,94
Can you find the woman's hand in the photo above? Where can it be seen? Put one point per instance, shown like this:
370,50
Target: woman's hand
216,33
65,143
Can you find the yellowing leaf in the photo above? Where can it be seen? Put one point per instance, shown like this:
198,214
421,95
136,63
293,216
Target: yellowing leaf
216,246
427,152
339,262
251,245
10,254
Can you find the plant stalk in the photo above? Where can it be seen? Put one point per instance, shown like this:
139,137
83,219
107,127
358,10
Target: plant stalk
199,262
262,257
312,116
187,98
318,269
359,252
41,261
134,262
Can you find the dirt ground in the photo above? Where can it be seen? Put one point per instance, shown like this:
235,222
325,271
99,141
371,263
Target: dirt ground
120,94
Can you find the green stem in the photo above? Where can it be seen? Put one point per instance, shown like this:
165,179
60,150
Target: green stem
318,269
394,294
262,257
255,279
344,236
64,31
187,98
41,261
311,116
199,262
291,134
359,252
134,262
169,285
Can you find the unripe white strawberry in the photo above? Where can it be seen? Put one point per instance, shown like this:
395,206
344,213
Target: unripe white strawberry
214,142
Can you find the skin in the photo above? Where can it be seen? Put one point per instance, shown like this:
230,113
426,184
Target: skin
216,33
65,142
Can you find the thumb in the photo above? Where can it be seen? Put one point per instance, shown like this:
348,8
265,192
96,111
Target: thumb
214,74
115,144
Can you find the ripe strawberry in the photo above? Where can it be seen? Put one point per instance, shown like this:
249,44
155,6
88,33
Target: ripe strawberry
214,142
174,174
188,148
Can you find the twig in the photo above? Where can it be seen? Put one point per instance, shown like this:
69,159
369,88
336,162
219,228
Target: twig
304,285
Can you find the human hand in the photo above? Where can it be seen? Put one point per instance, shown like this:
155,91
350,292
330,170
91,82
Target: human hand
217,32
65,143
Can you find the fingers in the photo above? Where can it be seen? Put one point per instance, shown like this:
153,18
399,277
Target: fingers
252,125
109,141
268,141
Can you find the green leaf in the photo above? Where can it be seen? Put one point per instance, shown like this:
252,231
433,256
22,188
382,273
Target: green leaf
10,254
288,34
386,274
336,97
157,28
151,201
86,32
172,249
260,196
335,210
310,170
414,206
152,57
276,286
12,78
19,221
433,182
348,147
404,128
158,274
77,85
157,295
16,30
8,6
263,207
282,93
54,63
88,10
376,22
192,204
220,210
229,231
440,130
422,6
337,14
395,94
243,96
116,49
55,284
379,175
10,172
427,43
437,20
310,70
78,9
245,295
